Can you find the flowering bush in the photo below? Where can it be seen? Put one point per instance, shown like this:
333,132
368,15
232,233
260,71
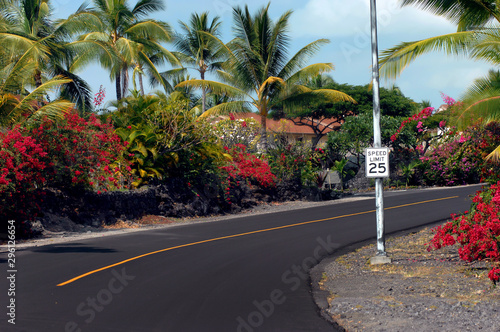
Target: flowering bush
82,153
244,167
422,115
99,96
296,162
64,154
234,131
455,162
460,158
477,233
249,167
22,165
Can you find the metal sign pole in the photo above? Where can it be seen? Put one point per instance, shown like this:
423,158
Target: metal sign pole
381,256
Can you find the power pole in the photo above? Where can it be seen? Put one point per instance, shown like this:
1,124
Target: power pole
381,256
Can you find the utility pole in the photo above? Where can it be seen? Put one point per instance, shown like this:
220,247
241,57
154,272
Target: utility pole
381,256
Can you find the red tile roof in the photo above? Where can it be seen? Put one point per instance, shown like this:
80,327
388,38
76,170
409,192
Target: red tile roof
288,125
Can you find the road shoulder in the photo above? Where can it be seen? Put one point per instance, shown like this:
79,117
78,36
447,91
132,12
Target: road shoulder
419,291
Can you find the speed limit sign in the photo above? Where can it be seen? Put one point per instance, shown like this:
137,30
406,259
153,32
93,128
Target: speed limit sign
377,162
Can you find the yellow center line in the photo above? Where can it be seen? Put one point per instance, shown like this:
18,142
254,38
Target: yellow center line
243,234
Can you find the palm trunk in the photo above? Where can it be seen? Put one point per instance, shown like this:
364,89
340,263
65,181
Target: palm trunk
203,94
263,144
118,86
38,83
38,78
125,81
141,84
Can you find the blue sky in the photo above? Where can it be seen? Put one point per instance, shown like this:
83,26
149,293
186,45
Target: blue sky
347,25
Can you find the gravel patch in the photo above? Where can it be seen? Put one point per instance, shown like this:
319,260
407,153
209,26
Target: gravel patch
419,291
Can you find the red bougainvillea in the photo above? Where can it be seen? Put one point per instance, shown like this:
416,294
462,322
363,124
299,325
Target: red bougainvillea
249,167
82,152
477,232
22,166
423,114
65,154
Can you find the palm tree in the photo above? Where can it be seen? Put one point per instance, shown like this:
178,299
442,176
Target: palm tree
133,40
28,35
258,71
198,48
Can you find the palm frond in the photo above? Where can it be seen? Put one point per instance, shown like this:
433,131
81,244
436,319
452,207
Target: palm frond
87,50
480,102
153,71
226,108
300,58
41,91
487,45
184,58
16,43
82,21
270,81
169,75
394,60
76,91
464,13
15,111
52,110
161,53
309,72
494,155
145,7
305,96
482,111
160,30
215,87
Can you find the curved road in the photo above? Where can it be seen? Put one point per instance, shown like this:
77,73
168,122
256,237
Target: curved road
244,274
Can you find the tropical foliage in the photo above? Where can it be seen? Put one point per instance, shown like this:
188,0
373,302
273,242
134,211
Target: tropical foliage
199,49
34,57
55,137
477,233
258,72
477,37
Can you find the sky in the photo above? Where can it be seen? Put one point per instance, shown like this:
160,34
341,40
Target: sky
347,25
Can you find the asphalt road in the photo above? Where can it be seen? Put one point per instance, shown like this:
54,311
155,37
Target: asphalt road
244,274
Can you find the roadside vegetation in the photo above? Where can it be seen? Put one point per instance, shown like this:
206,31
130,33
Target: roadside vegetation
181,148
470,140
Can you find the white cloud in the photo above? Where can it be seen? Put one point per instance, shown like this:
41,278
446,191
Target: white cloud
340,18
